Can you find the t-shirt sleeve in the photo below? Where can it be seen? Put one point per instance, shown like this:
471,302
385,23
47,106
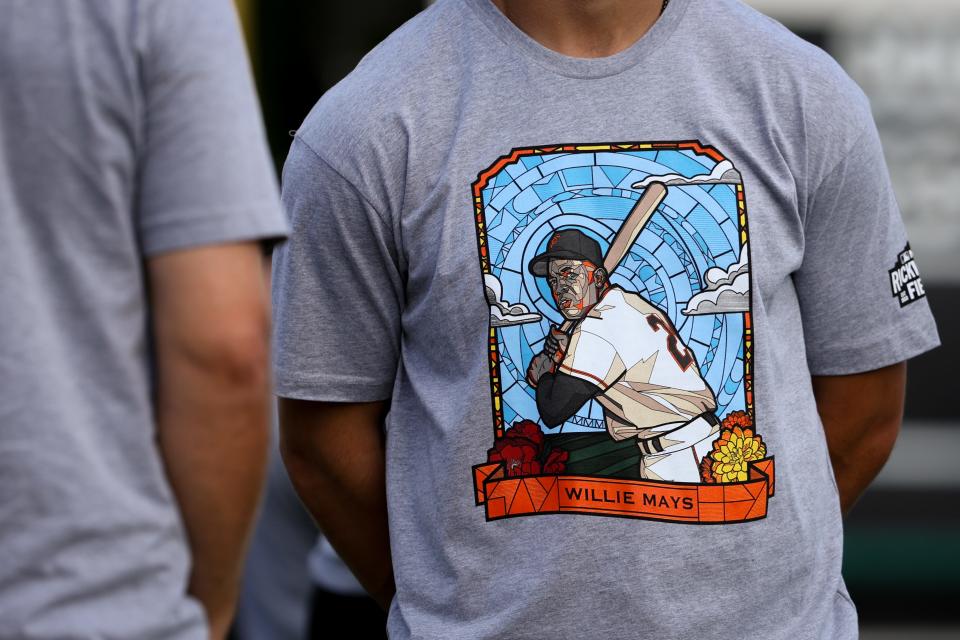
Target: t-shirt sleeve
205,172
862,301
337,288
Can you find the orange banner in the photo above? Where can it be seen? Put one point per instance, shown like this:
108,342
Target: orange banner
506,497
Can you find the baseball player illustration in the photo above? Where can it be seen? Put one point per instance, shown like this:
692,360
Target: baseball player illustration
618,349
620,345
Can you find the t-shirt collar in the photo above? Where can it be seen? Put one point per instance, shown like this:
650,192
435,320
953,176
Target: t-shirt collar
576,67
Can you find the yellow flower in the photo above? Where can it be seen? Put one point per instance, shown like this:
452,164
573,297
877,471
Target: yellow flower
733,451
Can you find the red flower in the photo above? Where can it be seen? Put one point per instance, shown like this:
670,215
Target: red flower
519,459
706,470
521,451
737,419
526,430
556,461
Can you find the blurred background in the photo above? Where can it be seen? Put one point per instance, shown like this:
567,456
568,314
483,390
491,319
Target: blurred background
902,545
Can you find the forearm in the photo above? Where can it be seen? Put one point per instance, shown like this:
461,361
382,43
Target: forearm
211,328
560,396
339,471
856,464
861,416
213,436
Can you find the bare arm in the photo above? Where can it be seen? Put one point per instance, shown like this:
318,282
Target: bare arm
335,455
861,415
211,322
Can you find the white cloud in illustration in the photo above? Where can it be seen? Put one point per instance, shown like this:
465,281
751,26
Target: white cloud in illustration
505,314
727,290
722,173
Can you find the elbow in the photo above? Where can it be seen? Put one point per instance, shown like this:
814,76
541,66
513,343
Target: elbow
551,419
869,443
549,414
880,431
237,357
245,361
884,438
300,466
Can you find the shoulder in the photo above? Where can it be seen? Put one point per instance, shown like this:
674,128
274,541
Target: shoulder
813,110
618,312
742,33
757,47
371,112
621,301
388,78
611,300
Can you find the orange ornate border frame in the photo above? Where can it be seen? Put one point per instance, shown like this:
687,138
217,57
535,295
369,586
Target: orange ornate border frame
506,497
692,503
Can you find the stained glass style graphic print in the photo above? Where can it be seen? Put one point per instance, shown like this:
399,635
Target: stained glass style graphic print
620,341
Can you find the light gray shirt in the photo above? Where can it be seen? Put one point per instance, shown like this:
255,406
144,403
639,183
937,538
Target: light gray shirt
419,190
128,128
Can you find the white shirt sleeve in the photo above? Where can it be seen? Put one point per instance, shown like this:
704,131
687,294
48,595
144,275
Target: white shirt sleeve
592,358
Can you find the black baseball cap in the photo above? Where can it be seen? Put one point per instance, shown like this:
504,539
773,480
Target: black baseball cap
570,244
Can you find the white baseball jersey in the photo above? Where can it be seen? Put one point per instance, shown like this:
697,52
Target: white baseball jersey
650,380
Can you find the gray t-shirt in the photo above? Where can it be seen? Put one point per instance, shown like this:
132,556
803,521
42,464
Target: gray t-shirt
127,129
443,194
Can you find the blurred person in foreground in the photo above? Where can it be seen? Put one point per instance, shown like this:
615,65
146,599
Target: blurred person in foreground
424,183
136,194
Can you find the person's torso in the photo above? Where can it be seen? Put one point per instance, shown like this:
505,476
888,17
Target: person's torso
92,542
496,146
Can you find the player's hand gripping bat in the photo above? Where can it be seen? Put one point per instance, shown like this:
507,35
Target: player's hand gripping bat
627,234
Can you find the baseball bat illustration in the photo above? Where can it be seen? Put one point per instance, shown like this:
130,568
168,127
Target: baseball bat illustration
627,233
